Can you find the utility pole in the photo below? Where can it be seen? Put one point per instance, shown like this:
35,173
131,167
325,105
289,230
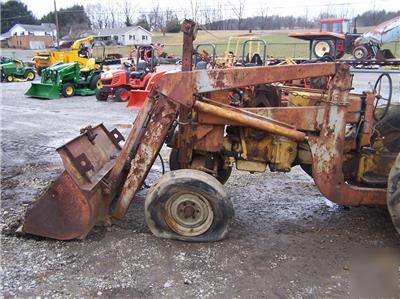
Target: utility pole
57,28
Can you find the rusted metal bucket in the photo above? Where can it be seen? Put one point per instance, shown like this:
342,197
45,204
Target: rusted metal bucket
75,202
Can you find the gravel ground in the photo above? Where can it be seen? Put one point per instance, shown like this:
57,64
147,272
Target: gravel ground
287,241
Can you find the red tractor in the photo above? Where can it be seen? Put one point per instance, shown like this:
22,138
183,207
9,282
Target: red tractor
334,38
119,83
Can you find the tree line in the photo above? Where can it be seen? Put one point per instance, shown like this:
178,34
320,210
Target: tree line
69,19
107,14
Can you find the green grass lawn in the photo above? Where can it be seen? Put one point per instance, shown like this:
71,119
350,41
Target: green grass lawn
278,43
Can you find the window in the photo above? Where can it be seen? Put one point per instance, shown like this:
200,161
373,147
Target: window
346,27
144,37
23,33
336,27
15,33
30,33
325,27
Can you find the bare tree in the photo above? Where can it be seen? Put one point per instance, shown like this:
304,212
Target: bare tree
95,13
238,11
195,10
328,12
264,18
128,13
154,16
113,15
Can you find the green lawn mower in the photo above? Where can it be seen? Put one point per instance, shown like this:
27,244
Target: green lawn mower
66,79
13,69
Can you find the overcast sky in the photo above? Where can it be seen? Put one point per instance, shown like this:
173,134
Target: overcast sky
252,7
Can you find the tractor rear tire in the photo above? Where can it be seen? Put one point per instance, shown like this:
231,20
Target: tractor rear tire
188,205
320,47
68,90
173,159
101,95
360,53
393,194
388,128
94,82
121,94
29,75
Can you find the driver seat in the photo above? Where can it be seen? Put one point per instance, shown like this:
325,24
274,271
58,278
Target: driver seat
90,65
141,70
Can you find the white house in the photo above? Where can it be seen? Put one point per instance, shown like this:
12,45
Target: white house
45,29
28,36
127,36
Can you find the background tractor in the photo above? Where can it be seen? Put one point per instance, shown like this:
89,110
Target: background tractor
334,135
66,79
250,46
201,60
337,37
13,69
81,51
134,76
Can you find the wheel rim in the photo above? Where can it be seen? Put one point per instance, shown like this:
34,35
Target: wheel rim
358,54
321,48
69,90
99,84
188,214
9,78
30,76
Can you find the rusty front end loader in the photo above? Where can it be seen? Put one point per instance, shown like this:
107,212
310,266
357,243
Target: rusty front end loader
332,134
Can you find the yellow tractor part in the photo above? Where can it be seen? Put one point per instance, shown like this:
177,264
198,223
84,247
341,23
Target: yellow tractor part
90,65
44,59
233,47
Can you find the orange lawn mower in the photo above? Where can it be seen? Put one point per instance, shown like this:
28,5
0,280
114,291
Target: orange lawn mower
119,83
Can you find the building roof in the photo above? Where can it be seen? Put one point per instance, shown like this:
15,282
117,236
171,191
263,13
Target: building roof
42,27
115,31
5,35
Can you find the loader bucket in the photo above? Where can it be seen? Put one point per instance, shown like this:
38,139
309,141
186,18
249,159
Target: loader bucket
43,91
76,201
137,98
62,212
